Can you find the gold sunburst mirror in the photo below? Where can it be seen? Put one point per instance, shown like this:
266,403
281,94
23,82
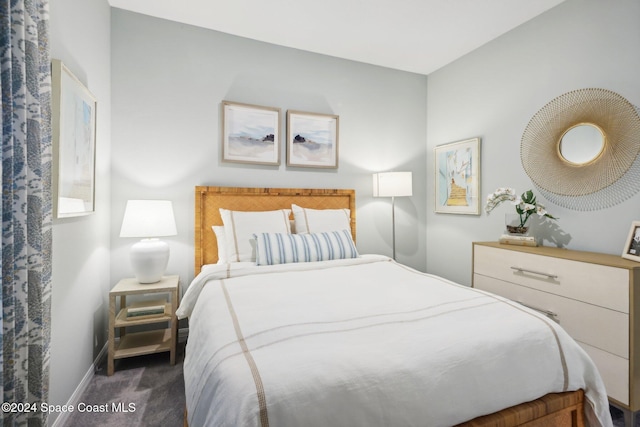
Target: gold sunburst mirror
581,149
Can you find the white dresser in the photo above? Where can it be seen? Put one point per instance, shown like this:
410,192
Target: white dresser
593,296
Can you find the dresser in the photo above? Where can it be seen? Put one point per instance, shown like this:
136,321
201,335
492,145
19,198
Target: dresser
594,297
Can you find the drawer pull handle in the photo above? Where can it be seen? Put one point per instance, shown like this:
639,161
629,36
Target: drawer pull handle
524,270
547,313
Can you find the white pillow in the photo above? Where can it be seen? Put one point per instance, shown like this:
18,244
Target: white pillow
240,226
222,243
282,248
318,220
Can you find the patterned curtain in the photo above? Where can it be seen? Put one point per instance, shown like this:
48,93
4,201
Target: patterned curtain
25,81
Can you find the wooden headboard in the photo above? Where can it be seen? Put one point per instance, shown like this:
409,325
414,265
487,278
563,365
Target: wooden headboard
210,199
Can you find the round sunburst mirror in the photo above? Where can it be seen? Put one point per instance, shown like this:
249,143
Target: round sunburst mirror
581,149
582,144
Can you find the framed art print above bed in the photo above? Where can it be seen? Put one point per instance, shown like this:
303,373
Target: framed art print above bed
74,144
312,140
457,177
250,134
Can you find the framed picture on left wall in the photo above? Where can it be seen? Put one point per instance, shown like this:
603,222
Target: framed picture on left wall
74,144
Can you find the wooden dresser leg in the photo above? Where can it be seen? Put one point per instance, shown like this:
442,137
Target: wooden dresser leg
629,418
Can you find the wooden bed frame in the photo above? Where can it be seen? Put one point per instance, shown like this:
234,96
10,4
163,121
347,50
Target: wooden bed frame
552,410
210,199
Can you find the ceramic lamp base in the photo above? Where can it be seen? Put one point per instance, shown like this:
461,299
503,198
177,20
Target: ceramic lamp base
149,258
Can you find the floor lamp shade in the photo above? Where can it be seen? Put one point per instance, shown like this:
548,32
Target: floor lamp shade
149,219
393,184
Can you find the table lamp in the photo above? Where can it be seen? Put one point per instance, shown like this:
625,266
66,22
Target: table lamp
392,184
149,219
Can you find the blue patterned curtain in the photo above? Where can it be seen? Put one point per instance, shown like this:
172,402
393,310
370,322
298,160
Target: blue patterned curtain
25,81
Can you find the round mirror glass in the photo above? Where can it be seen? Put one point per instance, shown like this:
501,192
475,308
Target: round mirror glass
582,144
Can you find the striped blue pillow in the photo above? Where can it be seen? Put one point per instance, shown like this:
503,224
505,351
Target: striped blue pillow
282,248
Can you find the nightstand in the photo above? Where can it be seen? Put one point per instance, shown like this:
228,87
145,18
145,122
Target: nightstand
147,342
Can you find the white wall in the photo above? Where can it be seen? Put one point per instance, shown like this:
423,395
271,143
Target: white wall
168,81
81,254
494,91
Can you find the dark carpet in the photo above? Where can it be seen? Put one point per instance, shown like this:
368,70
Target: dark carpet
147,387
152,392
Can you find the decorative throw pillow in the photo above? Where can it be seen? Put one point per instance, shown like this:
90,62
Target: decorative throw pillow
240,226
282,248
317,220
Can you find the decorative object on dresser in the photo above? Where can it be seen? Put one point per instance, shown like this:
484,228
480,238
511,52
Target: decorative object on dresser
141,313
525,206
457,177
593,296
149,219
581,149
312,139
250,134
632,247
392,184
74,143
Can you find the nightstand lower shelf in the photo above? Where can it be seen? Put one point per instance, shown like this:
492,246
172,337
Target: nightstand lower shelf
157,318
141,343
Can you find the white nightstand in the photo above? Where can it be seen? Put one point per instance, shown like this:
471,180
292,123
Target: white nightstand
147,342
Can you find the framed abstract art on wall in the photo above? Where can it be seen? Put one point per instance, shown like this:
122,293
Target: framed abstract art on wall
250,134
312,140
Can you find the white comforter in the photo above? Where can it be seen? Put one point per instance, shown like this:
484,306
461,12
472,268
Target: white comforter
367,342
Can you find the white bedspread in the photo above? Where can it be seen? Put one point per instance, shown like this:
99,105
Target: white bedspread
367,342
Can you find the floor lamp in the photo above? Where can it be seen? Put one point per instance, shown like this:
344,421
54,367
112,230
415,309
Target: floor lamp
392,184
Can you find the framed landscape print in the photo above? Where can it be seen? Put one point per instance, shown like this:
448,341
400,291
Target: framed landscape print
74,144
250,134
312,140
457,177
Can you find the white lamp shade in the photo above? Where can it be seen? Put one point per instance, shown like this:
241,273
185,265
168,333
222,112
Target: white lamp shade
148,218
392,184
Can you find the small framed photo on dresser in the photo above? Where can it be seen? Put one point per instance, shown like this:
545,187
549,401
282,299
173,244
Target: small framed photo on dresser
632,247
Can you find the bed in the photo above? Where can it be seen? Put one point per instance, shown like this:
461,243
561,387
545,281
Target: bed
349,339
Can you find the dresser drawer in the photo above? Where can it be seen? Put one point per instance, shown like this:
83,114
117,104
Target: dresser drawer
595,284
614,371
599,327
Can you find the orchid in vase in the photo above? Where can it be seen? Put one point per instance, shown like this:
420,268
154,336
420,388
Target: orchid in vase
526,205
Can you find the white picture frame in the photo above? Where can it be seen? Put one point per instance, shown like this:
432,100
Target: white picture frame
457,180
250,134
73,117
312,140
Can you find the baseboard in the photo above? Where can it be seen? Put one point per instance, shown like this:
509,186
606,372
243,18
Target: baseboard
77,394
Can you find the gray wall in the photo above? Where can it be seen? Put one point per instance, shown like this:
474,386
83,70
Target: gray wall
494,91
168,81
81,254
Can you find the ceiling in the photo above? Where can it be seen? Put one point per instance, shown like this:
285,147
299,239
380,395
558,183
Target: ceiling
412,35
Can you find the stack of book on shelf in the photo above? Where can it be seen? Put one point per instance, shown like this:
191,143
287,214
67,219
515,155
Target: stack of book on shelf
150,310
510,239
